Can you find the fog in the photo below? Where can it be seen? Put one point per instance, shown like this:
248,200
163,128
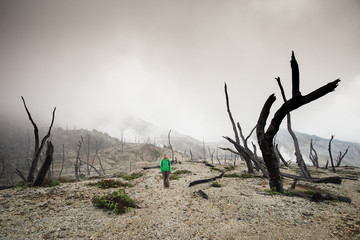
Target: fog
166,62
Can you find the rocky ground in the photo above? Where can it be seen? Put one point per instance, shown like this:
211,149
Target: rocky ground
239,209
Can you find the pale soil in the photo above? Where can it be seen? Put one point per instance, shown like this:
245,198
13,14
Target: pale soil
237,210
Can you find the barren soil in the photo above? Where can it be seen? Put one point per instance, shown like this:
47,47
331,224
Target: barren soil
239,209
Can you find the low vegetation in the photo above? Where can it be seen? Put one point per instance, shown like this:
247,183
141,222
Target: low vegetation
128,177
104,184
236,175
215,184
118,202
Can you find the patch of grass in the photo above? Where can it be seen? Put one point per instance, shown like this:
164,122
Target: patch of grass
229,168
232,175
272,191
358,190
50,183
316,172
216,169
176,174
236,175
348,173
184,171
174,177
215,184
128,177
104,184
68,203
118,202
22,185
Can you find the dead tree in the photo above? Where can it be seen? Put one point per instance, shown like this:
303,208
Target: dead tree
299,158
87,152
170,146
211,153
340,157
278,153
77,160
217,155
38,146
97,148
265,138
313,155
191,155
45,167
330,154
243,151
63,160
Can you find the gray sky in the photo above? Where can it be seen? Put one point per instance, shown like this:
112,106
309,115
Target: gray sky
166,62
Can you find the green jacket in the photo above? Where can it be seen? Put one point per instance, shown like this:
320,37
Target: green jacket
165,165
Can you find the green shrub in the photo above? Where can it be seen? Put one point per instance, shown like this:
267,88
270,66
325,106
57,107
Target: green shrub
174,177
104,184
179,172
128,177
215,184
118,202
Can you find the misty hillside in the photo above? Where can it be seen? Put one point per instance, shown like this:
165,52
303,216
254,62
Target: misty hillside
183,143
146,144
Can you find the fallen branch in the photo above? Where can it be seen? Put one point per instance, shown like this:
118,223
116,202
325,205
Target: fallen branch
333,179
202,194
153,167
193,183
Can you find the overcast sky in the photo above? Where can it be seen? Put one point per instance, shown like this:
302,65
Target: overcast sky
166,62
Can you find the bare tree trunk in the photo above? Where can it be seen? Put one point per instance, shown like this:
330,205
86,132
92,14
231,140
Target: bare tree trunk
46,166
280,156
299,158
211,154
191,155
63,160
217,155
77,160
313,155
340,157
241,150
331,158
87,151
38,148
172,150
266,138
20,174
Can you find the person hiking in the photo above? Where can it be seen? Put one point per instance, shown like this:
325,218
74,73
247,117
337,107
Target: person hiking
165,169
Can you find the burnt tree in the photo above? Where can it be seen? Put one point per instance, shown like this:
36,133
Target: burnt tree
47,163
38,146
243,151
313,155
266,137
299,159
170,146
340,157
330,154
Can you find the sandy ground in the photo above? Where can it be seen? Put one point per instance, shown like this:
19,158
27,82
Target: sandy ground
240,209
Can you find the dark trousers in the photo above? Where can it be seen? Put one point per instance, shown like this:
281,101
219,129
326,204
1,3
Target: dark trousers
166,176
